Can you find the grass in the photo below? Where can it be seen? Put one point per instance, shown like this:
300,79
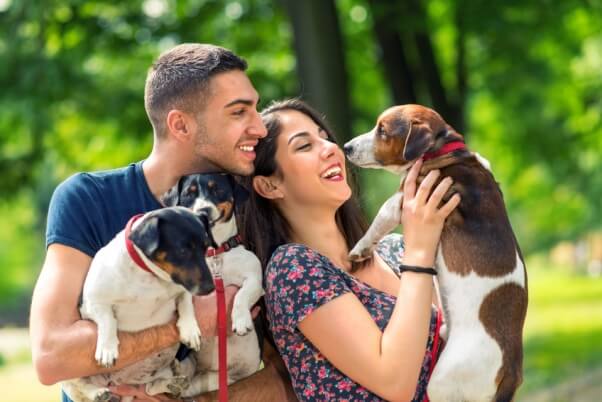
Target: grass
563,327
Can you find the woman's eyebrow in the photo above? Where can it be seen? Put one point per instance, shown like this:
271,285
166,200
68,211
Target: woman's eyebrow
297,135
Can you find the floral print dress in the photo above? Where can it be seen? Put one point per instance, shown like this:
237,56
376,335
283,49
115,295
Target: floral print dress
299,280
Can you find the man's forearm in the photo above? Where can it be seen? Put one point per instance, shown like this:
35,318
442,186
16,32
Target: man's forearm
71,354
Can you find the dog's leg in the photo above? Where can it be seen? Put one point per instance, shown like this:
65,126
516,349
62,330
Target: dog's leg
201,383
107,343
173,379
190,334
386,220
247,295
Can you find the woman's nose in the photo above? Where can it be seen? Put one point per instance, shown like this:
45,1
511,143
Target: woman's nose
328,148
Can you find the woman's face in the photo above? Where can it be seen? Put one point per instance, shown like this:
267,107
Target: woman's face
311,167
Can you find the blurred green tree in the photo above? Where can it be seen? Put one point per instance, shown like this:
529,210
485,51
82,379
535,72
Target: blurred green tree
521,78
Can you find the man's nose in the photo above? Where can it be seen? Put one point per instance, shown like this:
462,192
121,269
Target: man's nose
257,128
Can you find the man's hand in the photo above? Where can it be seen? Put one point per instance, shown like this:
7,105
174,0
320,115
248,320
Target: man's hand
205,309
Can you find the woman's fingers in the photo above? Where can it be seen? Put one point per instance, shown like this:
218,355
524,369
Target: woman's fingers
409,186
425,187
450,205
435,199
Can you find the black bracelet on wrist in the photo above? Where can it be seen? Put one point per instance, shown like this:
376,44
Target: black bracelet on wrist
420,270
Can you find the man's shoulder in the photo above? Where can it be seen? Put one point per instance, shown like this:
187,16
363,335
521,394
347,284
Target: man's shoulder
84,182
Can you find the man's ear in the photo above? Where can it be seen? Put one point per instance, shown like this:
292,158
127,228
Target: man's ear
146,235
179,125
265,187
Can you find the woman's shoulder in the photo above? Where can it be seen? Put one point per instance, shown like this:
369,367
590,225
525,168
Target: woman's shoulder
288,252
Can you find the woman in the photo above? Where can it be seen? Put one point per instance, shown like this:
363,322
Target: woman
345,332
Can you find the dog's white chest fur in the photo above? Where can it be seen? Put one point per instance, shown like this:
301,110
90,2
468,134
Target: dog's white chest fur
242,268
116,280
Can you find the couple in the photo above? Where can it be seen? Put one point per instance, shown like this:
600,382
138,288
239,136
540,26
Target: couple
354,332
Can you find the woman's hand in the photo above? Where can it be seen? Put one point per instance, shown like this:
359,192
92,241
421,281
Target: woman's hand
421,218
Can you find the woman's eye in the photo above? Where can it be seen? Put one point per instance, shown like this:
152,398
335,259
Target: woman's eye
303,147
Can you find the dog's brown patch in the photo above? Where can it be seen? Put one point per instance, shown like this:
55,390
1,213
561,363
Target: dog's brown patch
178,274
506,329
161,261
226,209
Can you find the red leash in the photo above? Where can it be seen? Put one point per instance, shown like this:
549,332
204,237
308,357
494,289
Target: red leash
221,339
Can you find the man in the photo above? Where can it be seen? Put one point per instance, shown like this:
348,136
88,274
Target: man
202,107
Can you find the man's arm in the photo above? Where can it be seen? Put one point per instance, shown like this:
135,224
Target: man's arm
63,344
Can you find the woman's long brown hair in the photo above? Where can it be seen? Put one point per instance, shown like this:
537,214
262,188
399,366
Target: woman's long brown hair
261,225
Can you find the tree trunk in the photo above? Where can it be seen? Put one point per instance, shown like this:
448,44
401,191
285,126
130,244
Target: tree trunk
321,68
385,15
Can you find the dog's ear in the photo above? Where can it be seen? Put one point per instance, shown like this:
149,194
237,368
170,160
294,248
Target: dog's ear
204,218
239,192
419,140
172,197
146,235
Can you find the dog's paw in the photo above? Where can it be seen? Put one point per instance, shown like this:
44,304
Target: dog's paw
361,252
242,322
107,355
190,334
177,385
104,395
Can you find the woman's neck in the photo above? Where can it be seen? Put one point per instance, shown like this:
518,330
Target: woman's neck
321,233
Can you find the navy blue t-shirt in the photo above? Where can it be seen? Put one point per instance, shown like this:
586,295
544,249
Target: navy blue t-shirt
88,209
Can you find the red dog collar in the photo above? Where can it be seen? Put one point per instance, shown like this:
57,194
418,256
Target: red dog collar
445,149
232,242
130,246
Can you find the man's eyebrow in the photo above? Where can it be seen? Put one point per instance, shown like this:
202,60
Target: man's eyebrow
246,102
297,135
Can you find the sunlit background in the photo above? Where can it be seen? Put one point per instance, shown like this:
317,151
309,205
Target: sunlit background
522,79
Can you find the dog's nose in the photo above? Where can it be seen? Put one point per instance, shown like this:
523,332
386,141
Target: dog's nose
348,149
205,288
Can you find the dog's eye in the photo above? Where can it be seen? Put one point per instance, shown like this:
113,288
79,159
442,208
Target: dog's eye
381,132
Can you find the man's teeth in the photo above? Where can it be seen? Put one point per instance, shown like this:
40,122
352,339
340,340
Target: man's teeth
333,171
246,148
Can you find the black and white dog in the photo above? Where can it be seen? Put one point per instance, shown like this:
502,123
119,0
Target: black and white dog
137,281
216,195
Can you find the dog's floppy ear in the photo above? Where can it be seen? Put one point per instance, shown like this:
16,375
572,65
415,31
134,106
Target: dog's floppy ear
238,191
172,197
420,138
146,235
204,218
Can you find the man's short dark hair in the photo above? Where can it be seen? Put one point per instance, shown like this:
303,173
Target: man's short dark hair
180,78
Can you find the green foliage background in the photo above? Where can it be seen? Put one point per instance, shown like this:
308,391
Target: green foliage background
72,77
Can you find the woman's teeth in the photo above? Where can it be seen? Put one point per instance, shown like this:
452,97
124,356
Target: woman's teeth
333,171
246,148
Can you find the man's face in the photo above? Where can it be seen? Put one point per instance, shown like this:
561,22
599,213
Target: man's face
229,127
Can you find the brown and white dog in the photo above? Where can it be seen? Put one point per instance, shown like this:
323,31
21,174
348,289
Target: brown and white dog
481,272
